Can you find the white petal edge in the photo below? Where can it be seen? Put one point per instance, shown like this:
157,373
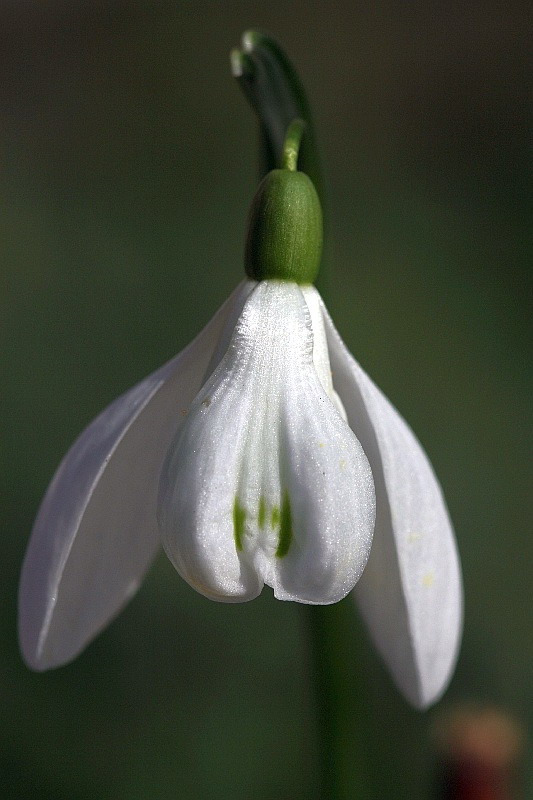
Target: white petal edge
96,531
410,593
261,427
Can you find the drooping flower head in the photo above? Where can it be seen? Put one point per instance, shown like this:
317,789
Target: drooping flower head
261,454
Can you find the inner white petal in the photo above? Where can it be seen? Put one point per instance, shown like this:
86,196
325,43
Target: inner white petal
265,482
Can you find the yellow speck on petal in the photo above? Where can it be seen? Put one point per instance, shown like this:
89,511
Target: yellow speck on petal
321,444
428,579
342,463
414,537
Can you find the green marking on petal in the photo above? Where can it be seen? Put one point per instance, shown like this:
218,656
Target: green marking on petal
261,516
275,517
239,516
285,530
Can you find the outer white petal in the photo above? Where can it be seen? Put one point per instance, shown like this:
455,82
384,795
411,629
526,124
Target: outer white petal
265,482
96,532
410,593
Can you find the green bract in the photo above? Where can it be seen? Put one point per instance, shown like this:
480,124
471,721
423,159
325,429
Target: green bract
284,239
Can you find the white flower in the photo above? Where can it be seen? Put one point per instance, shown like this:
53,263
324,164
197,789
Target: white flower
252,465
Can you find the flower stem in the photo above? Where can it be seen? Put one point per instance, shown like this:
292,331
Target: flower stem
291,145
337,702
275,92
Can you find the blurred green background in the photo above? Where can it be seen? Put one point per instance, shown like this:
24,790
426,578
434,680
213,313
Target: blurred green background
127,162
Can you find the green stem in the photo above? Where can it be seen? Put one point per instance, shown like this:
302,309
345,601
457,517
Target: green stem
274,90
291,145
338,704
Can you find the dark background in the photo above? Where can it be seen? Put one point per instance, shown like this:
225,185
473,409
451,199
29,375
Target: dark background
127,162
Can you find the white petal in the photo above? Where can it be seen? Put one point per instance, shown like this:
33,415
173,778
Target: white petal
96,532
265,482
410,593
320,346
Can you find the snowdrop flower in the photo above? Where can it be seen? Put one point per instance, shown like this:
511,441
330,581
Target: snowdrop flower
261,454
